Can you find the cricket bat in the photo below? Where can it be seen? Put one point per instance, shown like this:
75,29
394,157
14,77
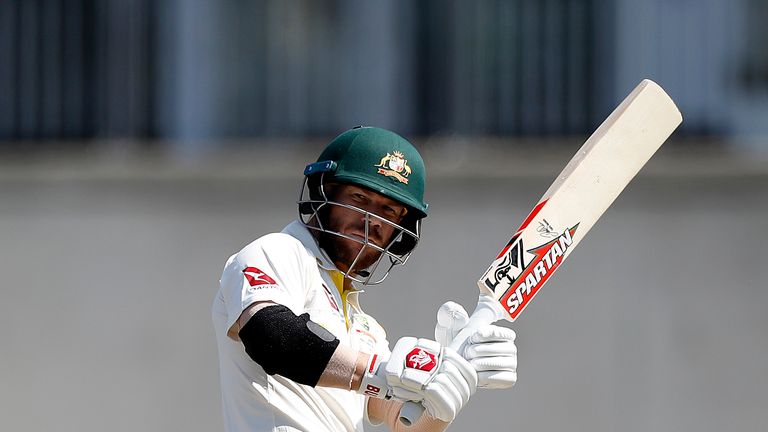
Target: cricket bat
588,184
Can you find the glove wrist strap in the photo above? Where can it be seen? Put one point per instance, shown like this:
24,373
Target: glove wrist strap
373,383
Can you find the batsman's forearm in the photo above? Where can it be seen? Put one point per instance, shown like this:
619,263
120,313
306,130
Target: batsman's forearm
345,369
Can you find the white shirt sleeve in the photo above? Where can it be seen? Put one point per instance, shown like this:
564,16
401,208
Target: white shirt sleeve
272,268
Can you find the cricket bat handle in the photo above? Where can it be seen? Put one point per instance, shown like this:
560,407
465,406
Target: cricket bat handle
488,311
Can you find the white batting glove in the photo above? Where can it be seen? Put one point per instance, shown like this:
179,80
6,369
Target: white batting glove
489,349
492,352
451,318
422,370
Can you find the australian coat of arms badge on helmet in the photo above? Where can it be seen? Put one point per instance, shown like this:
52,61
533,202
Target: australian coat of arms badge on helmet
395,165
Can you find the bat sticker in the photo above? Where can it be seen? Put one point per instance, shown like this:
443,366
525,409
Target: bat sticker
546,259
507,266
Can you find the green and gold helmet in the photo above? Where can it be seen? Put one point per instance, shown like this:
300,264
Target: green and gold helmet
381,161
378,159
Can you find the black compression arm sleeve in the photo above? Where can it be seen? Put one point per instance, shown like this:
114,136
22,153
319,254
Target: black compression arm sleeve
288,345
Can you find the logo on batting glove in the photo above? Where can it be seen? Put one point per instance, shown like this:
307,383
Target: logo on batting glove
420,359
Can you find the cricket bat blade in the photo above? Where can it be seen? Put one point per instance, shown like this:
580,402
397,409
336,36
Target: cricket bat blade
579,196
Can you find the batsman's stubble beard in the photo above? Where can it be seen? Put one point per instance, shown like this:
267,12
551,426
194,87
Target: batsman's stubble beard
343,252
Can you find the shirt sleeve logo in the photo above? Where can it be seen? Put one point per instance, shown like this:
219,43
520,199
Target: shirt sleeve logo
256,277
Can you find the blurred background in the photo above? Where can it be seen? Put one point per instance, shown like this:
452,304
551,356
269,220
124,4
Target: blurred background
143,142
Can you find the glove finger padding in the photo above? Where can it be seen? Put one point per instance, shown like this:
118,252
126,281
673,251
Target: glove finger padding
442,399
451,389
492,352
496,379
484,364
489,349
463,367
492,333
451,318
452,314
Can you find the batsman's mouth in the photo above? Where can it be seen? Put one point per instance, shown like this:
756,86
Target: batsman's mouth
372,239
361,237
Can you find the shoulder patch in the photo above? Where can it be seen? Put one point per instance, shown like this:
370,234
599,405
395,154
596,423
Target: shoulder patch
256,278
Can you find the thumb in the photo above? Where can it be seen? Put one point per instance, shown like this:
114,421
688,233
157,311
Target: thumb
451,318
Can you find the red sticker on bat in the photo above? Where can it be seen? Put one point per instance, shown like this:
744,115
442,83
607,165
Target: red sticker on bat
536,272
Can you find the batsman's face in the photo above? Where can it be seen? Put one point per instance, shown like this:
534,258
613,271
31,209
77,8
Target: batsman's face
352,223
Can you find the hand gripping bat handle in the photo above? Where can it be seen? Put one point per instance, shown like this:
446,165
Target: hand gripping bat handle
488,311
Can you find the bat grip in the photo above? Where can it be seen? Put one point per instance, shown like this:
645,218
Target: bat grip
488,311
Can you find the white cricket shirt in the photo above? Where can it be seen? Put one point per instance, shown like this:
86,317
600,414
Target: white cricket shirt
287,268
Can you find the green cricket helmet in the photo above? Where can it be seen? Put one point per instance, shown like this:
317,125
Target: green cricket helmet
381,161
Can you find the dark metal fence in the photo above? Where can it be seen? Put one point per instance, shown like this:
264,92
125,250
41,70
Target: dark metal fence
211,68
75,68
